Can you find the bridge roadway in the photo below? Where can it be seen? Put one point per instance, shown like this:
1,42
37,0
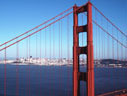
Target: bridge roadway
116,93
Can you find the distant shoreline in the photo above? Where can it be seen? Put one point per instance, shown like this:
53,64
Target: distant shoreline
70,65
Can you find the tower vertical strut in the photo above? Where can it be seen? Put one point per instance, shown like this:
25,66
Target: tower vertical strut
88,50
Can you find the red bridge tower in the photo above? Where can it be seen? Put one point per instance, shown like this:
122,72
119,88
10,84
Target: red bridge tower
88,50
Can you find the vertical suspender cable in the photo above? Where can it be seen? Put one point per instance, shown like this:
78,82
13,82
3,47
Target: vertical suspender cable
45,44
5,58
59,41
59,54
36,48
45,49
17,70
117,48
117,51
53,41
113,48
54,50
28,68
29,65
40,60
108,44
50,50
60,49
68,51
28,61
96,32
99,44
122,50
113,44
101,54
103,40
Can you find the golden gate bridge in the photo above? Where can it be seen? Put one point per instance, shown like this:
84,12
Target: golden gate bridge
94,40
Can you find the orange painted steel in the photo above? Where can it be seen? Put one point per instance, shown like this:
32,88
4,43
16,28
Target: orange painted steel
75,55
122,92
88,50
90,56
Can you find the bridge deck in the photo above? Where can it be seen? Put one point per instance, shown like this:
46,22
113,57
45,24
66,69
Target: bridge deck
116,93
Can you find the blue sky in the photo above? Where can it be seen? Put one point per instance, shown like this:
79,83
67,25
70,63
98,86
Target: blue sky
18,16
